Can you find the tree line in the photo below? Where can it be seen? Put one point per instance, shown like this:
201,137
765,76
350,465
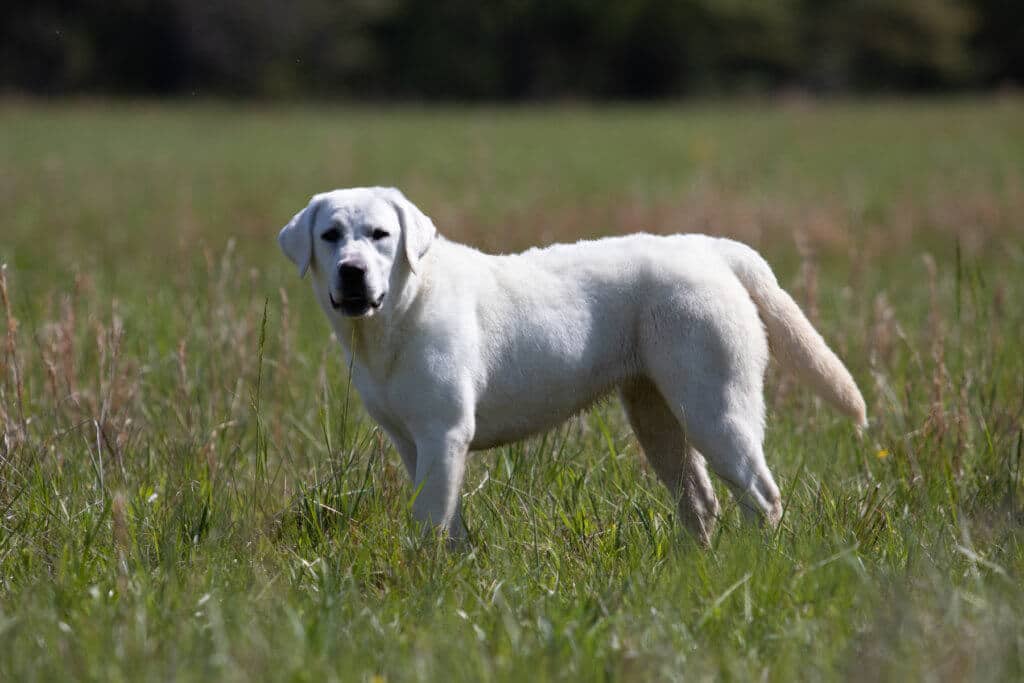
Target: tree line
507,49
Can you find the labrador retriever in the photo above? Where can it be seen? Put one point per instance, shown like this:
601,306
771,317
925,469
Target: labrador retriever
453,350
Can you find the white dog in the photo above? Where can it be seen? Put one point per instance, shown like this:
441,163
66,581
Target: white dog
453,350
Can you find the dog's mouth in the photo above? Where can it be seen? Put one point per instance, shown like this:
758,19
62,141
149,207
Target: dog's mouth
355,306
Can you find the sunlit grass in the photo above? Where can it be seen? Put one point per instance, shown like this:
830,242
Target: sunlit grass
189,487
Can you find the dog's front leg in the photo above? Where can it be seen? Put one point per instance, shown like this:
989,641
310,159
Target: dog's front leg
440,466
407,451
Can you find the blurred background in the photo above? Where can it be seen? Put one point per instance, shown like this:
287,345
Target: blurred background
507,50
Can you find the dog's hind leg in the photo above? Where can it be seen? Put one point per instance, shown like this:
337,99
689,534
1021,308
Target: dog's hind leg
711,375
725,422
679,466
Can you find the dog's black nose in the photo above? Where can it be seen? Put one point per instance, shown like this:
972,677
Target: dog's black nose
352,274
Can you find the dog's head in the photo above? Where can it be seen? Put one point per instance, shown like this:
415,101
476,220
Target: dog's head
353,241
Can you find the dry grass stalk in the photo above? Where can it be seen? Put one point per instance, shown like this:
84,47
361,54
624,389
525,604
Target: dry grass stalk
48,352
114,392
883,329
285,326
66,348
937,333
182,358
121,537
11,361
808,276
4,417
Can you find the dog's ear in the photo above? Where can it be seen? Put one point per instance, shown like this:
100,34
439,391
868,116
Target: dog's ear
418,230
296,238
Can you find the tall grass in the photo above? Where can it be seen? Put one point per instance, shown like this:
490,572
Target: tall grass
189,487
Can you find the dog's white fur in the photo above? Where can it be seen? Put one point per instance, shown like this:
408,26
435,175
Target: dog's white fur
468,351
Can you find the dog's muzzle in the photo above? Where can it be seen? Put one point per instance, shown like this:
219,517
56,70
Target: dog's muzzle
355,306
355,298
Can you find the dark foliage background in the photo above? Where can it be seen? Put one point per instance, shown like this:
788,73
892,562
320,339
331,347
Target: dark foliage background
507,49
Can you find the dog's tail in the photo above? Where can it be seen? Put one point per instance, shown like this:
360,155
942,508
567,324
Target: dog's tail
791,337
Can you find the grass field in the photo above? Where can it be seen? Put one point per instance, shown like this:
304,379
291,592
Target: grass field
189,490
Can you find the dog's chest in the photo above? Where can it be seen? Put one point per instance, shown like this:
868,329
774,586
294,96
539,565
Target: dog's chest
383,411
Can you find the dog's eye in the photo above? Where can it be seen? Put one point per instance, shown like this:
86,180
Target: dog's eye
379,234
332,235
